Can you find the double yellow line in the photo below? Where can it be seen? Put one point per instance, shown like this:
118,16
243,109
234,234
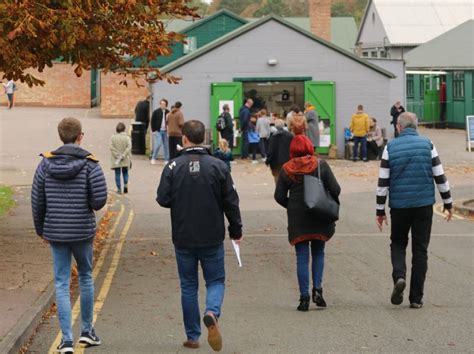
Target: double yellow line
104,290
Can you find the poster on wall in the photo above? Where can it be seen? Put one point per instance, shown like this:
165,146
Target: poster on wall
324,132
230,103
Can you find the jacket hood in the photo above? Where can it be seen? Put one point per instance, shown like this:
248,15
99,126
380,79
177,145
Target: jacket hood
174,110
66,162
357,115
297,167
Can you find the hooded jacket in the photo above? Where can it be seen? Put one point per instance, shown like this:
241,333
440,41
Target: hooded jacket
68,186
313,126
360,124
279,148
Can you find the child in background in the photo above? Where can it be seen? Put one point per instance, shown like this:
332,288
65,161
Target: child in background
254,138
224,153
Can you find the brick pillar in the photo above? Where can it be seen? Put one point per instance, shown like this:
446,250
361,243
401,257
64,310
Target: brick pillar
320,18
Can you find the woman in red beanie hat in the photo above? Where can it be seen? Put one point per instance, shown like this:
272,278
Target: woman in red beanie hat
305,231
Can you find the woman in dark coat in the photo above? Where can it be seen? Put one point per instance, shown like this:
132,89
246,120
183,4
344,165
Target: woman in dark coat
305,231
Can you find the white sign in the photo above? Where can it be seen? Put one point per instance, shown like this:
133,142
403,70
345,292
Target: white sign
324,133
470,131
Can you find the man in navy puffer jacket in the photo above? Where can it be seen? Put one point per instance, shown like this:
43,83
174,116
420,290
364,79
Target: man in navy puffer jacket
68,186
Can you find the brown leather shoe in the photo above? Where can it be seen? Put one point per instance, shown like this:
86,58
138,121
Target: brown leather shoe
214,336
192,344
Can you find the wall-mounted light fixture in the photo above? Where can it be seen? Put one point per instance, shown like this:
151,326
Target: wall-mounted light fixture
272,62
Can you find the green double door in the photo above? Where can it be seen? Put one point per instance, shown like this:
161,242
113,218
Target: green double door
431,103
322,94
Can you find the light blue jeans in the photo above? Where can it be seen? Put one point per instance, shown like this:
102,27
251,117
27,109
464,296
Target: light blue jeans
302,264
160,138
212,264
82,252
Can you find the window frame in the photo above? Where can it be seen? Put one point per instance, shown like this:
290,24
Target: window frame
459,91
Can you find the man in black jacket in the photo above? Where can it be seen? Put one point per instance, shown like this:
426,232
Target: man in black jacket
278,149
199,190
159,131
395,111
142,112
228,132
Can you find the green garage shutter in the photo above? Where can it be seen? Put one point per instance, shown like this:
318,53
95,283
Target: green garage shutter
221,93
322,94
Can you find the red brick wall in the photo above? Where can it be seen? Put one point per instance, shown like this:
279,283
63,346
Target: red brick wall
320,18
62,89
119,100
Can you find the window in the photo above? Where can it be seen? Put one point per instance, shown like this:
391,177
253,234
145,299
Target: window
383,54
458,84
190,46
410,86
373,18
365,54
373,54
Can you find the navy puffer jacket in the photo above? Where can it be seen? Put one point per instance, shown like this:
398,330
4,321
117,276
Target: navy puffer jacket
68,186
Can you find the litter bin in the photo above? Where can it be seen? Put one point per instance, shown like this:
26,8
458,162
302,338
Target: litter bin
138,138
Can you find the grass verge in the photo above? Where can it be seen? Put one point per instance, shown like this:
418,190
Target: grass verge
6,199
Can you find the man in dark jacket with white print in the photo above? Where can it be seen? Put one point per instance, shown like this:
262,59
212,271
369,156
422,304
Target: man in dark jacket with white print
68,186
199,190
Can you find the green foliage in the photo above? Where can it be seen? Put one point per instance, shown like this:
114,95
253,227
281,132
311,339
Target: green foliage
87,34
6,199
236,6
278,7
339,9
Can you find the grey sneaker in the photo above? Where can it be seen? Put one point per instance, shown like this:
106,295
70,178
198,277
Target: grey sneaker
416,305
397,293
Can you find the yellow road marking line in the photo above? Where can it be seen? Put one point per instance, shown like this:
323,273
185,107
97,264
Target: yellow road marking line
97,268
104,291
438,209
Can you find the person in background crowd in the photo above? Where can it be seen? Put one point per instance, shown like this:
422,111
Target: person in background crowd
263,130
199,190
305,231
313,124
253,137
294,109
442,102
244,117
409,169
224,153
298,124
142,112
360,128
159,130
10,88
375,138
228,132
121,159
175,125
69,185
278,148
395,111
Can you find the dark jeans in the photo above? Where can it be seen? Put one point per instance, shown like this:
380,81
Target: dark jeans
10,100
253,150
442,116
375,149
244,152
419,220
230,140
363,141
302,264
212,264
263,144
173,141
118,174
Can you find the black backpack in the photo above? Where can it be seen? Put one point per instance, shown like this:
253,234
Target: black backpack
220,125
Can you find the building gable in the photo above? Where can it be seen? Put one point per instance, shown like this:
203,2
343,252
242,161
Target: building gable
251,26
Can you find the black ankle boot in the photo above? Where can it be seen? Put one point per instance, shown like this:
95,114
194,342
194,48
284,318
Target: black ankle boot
304,303
318,297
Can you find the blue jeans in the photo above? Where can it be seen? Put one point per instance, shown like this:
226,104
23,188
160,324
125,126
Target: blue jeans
212,264
82,252
118,174
363,141
302,264
160,138
244,149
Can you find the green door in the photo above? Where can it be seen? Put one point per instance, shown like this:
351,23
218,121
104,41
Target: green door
230,93
322,95
431,104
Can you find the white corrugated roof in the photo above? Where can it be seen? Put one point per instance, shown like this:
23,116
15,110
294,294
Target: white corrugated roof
418,21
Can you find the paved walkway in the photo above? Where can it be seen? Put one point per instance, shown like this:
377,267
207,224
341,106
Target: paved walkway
25,132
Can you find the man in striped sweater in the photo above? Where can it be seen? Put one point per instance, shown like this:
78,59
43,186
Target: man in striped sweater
409,165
